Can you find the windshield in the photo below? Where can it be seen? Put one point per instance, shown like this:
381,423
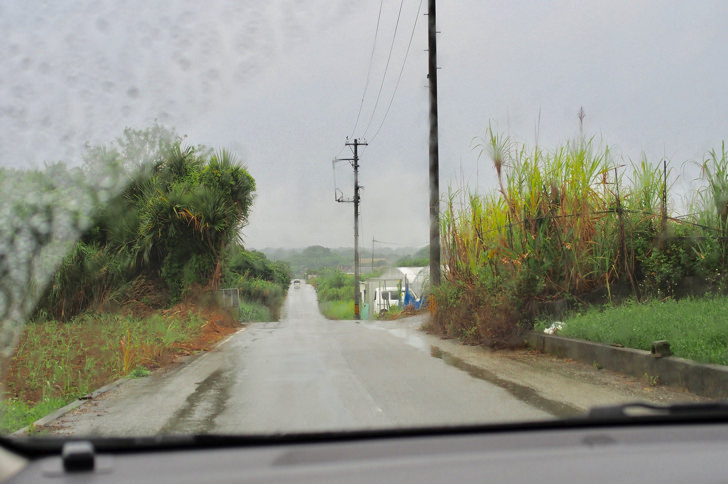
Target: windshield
198,236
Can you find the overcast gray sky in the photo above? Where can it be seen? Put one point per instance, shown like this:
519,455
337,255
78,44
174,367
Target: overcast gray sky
280,83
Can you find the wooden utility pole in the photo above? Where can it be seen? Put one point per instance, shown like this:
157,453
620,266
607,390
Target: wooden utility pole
434,151
355,164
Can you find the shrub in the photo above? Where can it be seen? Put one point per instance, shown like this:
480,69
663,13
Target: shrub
334,285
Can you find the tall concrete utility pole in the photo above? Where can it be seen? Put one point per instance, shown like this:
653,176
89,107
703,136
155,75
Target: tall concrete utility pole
434,152
355,164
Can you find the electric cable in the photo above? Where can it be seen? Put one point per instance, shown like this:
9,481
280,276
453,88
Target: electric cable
369,70
386,67
404,62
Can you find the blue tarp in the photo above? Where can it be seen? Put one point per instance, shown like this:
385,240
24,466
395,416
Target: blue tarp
409,298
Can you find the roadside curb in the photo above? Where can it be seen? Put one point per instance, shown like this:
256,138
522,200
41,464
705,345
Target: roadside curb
701,379
96,393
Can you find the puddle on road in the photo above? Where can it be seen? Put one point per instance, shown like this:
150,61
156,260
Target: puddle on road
410,335
411,338
201,407
522,392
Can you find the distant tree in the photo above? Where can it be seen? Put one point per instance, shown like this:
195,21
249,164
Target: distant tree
420,258
316,251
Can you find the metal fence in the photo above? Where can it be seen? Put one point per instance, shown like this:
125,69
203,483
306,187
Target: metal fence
229,298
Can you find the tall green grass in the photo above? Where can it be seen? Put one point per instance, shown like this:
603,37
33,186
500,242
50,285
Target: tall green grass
566,222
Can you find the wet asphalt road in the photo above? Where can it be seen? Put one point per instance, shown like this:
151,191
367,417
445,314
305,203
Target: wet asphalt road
304,373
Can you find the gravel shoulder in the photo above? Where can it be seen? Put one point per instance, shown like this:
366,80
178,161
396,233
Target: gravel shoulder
571,382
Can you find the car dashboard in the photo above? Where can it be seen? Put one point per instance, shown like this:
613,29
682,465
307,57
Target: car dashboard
655,452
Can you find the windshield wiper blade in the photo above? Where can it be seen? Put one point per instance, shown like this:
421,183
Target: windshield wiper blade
643,409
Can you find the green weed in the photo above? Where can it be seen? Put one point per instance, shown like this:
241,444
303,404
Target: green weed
140,372
652,380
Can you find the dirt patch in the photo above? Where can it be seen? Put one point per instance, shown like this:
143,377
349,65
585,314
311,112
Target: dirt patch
218,325
407,312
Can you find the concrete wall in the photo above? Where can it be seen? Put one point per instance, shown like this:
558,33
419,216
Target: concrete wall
701,379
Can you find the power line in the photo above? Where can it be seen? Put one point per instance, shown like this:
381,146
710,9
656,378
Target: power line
386,67
395,243
369,70
404,62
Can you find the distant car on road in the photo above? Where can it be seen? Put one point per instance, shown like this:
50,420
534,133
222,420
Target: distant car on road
296,284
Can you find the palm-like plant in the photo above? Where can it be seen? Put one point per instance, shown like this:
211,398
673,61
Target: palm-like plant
181,208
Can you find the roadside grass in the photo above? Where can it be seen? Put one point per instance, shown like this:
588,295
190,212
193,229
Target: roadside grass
695,328
58,362
337,309
254,311
16,414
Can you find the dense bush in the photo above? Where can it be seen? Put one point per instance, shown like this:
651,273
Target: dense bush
172,222
253,264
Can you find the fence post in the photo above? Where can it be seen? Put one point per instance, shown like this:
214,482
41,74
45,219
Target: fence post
623,238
